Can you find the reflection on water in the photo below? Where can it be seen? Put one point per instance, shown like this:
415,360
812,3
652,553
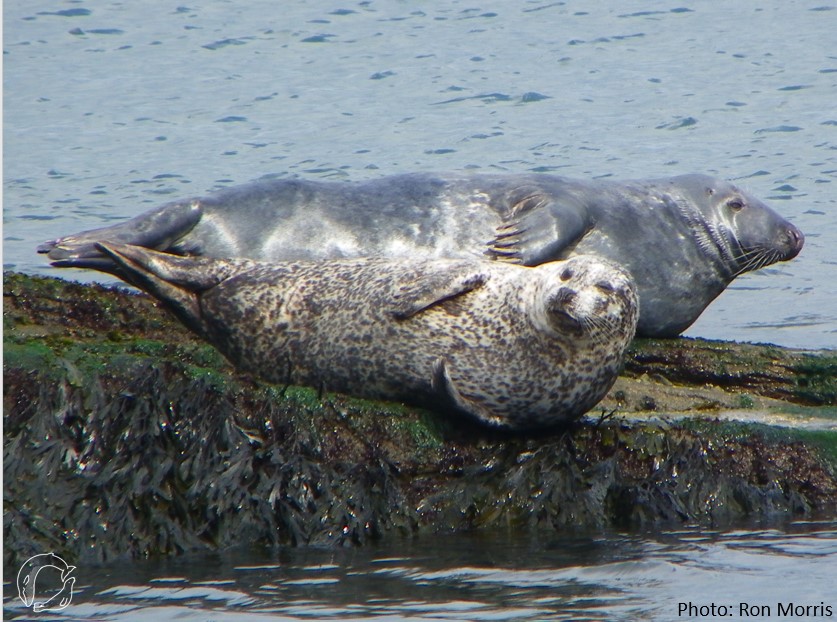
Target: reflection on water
613,576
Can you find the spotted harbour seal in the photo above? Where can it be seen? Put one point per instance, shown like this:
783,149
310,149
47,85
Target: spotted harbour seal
512,346
684,239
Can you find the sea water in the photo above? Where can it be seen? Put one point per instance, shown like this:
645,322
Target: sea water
605,575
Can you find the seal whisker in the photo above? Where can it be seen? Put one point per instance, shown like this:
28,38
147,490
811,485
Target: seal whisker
748,255
757,261
757,258
601,329
770,257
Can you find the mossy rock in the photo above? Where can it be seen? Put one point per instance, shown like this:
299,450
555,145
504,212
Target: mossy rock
125,436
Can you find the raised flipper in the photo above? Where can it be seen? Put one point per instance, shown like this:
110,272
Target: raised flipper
538,229
173,280
450,397
176,281
435,287
158,229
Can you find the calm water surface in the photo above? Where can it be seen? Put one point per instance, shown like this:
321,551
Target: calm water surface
114,107
111,108
600,576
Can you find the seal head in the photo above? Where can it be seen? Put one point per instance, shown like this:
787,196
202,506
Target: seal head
585,311
746,233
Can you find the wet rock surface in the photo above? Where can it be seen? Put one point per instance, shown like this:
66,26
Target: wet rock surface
125,436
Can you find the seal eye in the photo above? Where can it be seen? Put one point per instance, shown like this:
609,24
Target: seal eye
566,274
604,286
736,205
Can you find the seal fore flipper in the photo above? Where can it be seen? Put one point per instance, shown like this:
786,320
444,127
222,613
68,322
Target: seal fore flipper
537,230
434,288
450,397
158,229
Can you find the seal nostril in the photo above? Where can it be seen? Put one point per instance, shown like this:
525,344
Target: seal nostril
561,299
797,240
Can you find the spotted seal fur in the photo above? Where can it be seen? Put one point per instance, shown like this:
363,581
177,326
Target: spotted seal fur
512,346
684,239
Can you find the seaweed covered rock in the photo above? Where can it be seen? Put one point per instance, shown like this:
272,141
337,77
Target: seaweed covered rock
126,436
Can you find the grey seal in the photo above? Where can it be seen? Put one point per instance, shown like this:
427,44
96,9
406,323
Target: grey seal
512,346
684,239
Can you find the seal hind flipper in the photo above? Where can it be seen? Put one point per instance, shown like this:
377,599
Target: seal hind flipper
154,276
427,290
158,229
537,230
450,397
174,280
102,263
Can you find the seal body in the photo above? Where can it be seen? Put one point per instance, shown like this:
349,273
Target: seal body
512,346
683,239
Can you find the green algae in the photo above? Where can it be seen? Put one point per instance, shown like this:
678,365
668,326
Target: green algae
425,432
758,369
824,442
33,355
816,379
